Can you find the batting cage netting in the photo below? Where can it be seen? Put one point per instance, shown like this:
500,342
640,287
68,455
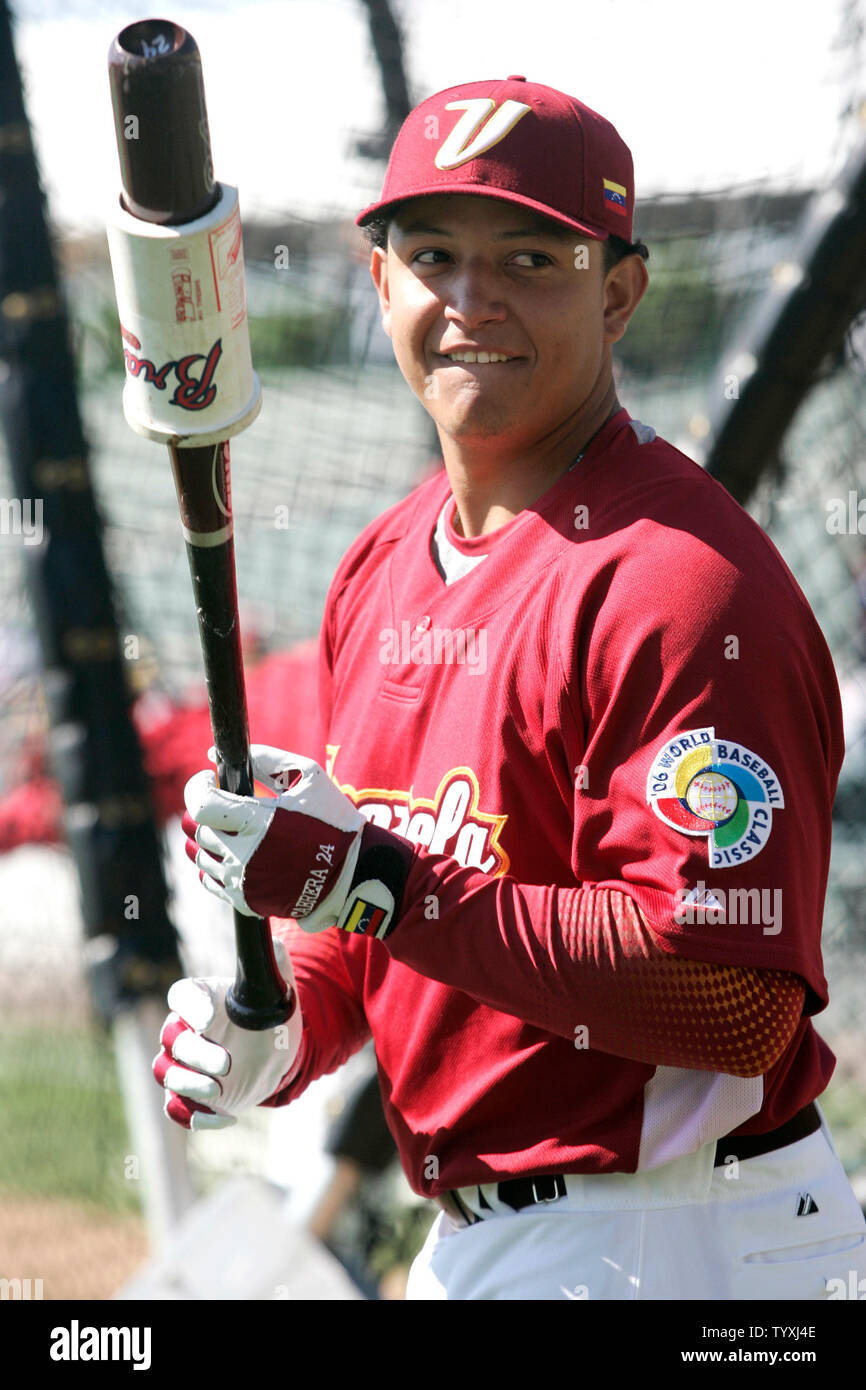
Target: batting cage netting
338,440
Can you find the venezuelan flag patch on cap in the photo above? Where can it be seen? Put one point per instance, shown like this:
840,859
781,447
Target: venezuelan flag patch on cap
615,196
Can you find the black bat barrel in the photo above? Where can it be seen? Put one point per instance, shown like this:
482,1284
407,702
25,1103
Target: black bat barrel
160,121
163,143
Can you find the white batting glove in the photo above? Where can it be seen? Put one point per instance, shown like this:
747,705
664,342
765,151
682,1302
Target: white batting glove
306,852
210,1068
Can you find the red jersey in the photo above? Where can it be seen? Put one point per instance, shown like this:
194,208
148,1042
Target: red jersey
630,693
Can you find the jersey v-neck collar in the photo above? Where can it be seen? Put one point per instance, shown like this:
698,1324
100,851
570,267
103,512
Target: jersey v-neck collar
454,556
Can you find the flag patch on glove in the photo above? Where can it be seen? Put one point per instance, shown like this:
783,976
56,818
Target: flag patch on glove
365,918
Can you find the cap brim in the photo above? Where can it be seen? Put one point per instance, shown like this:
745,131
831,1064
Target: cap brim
481,190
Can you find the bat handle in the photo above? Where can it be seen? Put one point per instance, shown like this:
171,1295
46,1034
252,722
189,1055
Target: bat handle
258,999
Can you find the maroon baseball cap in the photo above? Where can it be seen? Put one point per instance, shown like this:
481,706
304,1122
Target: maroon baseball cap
519,141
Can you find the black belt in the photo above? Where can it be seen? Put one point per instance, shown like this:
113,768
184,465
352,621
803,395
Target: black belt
518,1193
743,1146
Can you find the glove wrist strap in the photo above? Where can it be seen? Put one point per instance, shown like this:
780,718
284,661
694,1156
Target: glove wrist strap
374,901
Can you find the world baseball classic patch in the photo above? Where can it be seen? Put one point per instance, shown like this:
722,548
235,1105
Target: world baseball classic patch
703,785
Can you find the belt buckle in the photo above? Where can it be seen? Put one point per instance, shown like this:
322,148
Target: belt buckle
556,1193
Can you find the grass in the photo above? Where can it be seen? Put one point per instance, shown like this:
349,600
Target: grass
63,1132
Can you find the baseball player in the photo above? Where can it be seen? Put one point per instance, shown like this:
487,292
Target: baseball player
563,847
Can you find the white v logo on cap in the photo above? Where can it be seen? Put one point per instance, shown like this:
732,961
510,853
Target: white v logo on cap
481,127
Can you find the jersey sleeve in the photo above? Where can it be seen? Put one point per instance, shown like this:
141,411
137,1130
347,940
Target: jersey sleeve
709,731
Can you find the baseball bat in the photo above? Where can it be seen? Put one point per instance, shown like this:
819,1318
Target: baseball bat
164,148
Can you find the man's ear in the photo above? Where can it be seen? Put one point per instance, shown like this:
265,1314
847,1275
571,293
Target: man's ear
624,288
379,272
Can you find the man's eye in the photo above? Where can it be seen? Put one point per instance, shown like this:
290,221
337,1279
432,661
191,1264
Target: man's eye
424,256
536,259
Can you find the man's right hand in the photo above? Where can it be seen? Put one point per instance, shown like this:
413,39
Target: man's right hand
210,1068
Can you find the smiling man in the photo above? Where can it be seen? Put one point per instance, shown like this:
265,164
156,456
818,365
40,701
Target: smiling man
601,1066
502,323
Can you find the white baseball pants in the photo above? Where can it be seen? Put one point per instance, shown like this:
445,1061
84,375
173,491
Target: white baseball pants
785,1225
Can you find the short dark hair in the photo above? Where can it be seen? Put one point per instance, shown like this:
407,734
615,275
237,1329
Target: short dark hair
616,248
